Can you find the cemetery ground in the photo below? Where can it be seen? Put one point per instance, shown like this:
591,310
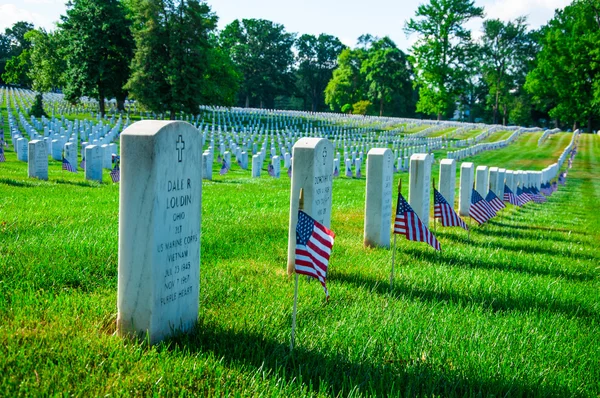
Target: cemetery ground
513,311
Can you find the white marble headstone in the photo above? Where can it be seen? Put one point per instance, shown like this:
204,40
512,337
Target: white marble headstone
419,185
466,188
159,229
447,183
312,171
378,204
93,163
37,164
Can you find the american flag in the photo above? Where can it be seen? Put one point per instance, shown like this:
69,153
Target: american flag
494,201
82,163
224,167
67,166
522,197
562,178
2,157
407,223
348,171
115,174
537,196
271,170
313,248
336,172
555,186
358,174
528,193
509,196
289,172
479,208
443,210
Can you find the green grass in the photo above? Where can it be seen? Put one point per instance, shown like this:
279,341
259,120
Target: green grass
512,312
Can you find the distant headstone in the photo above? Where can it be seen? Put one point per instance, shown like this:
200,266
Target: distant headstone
482,180
419,185
93,163
494,182
22,149
447,183
71,154
312,171
466,188
276,162
378,204
159,229
37,165
256,165
207,166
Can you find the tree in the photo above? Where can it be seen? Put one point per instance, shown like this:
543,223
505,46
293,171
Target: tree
262,53
177,66
506,51
17,69
347,85
439,53
317,58
565,78
386,71
46,67
97,48
12,44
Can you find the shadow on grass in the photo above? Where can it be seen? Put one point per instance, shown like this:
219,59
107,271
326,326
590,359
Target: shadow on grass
85,183
22,184
486,301
454,258
531,248
335,375
534,228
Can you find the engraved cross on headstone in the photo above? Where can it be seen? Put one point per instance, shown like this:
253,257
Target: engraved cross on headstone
324,155
180,146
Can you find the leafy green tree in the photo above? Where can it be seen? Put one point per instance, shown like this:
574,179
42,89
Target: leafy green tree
317,58
12,44
97,46
506,51
47,66
17,69
386,70
262,53
177,66
439,53
565,78
347,85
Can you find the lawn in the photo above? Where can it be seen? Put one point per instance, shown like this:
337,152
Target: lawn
514,311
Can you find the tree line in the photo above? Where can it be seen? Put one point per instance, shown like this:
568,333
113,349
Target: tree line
169,56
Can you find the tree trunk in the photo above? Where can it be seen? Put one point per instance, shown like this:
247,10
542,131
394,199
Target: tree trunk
381,107
504,115
101,105
574,126
439,116
555,123
247,101
121,104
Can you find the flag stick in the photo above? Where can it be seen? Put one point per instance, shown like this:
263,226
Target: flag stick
294,310
394,249
434,219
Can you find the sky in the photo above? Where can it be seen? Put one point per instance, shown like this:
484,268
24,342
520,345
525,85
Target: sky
347,19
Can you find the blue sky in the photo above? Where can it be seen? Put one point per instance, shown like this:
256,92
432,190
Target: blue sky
346,19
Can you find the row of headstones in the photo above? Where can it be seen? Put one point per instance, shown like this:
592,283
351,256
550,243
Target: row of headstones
481,147
96,158
160,214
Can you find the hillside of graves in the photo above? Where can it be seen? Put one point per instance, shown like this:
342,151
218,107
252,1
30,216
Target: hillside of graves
509,308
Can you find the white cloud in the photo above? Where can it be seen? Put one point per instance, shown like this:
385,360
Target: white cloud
538,12
34,11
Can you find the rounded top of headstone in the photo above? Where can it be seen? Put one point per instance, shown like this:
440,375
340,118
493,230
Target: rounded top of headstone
494,169
447,161
151,127
502,170
466,164
378,151
482,168
419,156
308,142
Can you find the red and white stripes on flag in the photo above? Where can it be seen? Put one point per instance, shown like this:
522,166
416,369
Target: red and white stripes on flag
407,223
479,209
443,210
314,242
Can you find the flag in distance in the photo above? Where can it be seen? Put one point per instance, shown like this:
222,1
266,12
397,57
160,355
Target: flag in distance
336,172
67,166
494,201
82,163
271,170
314,242
224,167
479,208
289,171
2,157
407,223
509,196
522,198
348,171
443,210
115,173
